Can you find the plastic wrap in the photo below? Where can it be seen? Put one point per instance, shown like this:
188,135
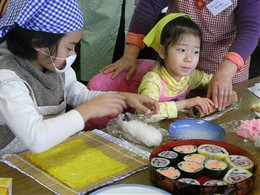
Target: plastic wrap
186,113
247,127
196,111
114,128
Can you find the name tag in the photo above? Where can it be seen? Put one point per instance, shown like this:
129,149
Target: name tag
217,6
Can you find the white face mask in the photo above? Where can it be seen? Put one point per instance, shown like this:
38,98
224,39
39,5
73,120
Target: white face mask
69,61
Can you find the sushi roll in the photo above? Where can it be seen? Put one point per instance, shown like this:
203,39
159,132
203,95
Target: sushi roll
197,158
169,172
170,155
190,169
215,183
184,150
235,175
215,168
213,152
239,161
157,162
189,181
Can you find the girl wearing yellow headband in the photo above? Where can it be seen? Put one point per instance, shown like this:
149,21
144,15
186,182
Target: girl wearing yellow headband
177,40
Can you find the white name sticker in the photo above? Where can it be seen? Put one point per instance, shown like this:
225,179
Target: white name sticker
217,6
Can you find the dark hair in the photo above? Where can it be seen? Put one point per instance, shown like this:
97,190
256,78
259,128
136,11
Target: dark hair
174,29
21,42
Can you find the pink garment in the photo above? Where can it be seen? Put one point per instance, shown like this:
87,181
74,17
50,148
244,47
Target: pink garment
249,129
164,98
103,82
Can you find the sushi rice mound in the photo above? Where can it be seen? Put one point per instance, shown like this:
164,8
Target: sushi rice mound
143,132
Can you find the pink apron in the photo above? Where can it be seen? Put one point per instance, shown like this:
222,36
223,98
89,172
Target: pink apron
164,98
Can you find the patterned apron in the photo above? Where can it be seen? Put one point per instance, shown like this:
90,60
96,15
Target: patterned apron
218,33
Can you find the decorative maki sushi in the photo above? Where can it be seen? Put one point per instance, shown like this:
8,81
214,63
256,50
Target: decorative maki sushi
184,150
213,152
157,162
235,175
169,172
215,183
170,155
190,169
239,161
197,158
189,181
215,168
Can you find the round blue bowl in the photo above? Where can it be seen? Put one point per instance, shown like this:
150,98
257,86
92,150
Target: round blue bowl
196,129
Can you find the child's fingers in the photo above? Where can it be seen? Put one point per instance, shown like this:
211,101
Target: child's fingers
207,105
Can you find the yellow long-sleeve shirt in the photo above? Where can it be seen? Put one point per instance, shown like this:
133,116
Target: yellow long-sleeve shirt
151,86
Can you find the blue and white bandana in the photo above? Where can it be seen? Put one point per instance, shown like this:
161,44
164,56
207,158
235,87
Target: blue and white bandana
52,16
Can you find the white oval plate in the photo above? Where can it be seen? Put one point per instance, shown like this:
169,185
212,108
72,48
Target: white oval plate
130,189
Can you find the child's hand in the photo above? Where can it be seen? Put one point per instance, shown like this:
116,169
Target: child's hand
204,103
144,103
104,105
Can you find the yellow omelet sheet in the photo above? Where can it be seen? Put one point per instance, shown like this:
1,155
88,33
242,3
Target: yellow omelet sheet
76,163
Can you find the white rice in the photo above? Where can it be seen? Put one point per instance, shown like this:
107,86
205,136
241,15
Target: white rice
143,132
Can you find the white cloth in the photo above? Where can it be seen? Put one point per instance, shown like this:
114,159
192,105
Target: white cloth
19,112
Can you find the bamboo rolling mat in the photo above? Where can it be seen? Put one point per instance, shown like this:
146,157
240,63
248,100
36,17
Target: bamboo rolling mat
134,158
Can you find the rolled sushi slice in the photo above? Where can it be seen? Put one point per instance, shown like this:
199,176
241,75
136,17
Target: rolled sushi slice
213,152
184,150
215,168
169,172
240,161
235,175
190,169
197,158
157,162
170,155
189,181
215,183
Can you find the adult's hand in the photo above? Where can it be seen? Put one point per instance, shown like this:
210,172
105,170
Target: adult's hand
128,62
220,87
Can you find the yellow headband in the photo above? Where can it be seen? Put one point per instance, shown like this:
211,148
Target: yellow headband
152,39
